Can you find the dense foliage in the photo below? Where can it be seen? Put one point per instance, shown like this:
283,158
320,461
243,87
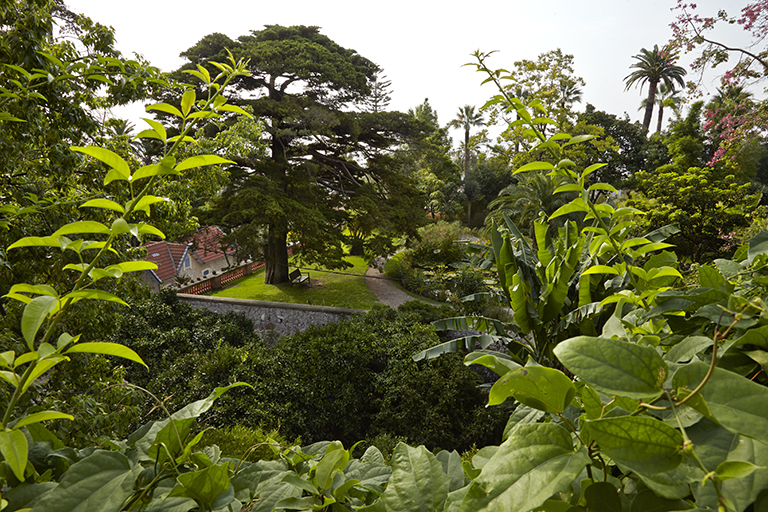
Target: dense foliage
361,385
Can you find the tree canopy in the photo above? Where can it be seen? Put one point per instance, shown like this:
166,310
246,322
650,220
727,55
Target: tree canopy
328,160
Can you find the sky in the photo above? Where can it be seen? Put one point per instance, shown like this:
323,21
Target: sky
422,46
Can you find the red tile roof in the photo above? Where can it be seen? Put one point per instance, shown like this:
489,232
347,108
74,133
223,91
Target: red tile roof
206,244
169,256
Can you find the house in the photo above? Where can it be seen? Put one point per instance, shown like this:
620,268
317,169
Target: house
196,258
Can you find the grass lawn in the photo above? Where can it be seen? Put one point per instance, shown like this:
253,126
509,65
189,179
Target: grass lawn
326,289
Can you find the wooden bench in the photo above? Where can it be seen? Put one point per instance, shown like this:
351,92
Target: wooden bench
295,277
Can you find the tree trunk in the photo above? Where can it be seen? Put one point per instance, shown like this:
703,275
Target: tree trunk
466,152
469,213
649,105
661,117
276,257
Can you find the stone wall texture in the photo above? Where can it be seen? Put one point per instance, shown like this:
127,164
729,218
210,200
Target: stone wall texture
278,317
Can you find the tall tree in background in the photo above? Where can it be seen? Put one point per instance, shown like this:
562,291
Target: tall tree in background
466,119
379,98
326,164
666,97
654,67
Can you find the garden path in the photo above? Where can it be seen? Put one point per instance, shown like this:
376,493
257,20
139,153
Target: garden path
384,290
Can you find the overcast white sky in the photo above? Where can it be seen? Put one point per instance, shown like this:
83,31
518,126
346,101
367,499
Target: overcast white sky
421,46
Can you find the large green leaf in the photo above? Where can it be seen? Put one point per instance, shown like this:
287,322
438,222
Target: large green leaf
13,447
418,482
99,483
204,485
546,389
644,445
452,467
758,245
35,313
200,161
535,462
107,349
735,402
112,159
334,460
82,226
498,362
603,497
615,367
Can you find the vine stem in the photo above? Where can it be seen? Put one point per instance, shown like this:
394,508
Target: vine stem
712,364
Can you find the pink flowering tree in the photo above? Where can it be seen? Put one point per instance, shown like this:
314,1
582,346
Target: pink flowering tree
739,120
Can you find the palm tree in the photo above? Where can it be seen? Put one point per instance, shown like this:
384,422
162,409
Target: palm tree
467,118
654,67
570,93
665,97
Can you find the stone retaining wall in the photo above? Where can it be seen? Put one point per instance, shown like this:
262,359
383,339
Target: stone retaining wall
278,317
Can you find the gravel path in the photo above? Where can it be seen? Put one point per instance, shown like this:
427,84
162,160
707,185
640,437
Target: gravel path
384,290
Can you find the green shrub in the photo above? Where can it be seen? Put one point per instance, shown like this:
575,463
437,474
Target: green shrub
246,443
337,381
438,245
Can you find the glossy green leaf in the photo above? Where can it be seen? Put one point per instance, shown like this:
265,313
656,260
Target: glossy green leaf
34,315
95,295
14,447
736,402
187,100
334,460
417,484
37,289
37,417
546,389
158,128
103,203
735,469
577,205
235,109
200,161
99,483
106,349
534,463
499,364
204,485
146,229
535,166
37,241
133,266
600,269
164,107
148,171
615,367
83,226
110,158
146,201
643,444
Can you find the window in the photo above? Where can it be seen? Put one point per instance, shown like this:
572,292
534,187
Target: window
187,263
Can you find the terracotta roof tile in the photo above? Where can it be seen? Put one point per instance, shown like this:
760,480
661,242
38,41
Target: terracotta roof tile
168,257
205,244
